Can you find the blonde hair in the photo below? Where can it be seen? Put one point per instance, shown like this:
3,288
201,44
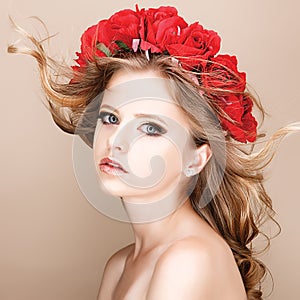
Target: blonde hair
240,205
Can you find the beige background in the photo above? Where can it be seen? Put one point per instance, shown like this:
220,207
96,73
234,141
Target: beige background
53,242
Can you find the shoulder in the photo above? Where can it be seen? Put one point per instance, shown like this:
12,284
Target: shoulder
118,258
112,271
191,268
192,252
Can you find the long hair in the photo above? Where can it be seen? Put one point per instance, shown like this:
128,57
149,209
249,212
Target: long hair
240,205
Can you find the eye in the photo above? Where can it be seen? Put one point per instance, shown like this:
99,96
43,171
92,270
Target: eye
107,118
153,129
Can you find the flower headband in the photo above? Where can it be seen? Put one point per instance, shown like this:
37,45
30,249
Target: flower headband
161,30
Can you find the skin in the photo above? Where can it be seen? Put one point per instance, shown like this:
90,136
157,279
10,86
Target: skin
178,256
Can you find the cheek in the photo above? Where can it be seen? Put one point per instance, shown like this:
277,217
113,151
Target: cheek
101,137
97,147
169,157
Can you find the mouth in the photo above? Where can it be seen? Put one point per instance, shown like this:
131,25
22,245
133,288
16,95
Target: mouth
111,167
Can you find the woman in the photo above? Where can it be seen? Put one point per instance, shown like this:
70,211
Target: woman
197,210
180,240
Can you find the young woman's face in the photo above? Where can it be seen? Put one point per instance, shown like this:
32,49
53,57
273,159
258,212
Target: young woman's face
141,128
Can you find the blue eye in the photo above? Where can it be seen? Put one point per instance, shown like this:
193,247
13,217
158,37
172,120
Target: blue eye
153,129
111,118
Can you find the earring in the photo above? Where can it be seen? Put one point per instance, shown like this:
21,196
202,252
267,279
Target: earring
189,172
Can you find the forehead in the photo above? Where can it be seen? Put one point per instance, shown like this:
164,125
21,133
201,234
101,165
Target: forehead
144,92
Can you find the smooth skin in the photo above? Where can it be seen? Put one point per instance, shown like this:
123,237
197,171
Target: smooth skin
191,262
177,257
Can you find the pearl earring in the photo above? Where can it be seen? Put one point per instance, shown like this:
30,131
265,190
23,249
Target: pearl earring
189,172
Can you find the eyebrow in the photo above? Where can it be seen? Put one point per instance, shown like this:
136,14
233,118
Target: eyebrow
155,117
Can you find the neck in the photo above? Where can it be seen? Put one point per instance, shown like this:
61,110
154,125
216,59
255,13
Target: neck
163,231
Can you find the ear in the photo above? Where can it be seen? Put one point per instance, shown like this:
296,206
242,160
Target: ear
201,156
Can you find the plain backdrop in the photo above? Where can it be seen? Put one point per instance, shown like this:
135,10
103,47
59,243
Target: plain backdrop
54,244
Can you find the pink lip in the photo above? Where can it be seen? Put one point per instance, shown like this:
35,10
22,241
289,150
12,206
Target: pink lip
105,164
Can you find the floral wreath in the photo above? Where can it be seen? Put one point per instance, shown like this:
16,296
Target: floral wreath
161,30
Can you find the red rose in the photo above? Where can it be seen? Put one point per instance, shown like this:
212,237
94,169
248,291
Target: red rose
161,13
88,46
222,73
245,133
249,122
195,44
122,26
159,28
243,124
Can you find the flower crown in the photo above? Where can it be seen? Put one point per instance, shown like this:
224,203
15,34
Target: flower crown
161,30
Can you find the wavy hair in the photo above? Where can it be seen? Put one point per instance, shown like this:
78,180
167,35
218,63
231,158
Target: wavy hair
240,204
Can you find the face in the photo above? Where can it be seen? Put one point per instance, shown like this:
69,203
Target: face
142,129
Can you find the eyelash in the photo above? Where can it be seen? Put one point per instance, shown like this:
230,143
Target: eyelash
157,128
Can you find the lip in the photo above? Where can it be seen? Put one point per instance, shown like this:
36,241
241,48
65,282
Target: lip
108,164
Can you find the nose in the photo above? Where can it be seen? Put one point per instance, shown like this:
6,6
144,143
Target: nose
118,141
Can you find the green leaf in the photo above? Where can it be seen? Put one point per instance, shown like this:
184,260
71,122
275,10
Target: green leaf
122,45
104,49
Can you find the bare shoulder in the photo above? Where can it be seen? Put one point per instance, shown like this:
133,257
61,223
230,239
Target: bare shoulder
192,268
112,272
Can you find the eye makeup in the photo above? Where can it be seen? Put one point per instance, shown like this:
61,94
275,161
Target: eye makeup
108,118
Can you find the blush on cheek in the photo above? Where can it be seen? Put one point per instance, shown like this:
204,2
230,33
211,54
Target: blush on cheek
139,158
165,156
